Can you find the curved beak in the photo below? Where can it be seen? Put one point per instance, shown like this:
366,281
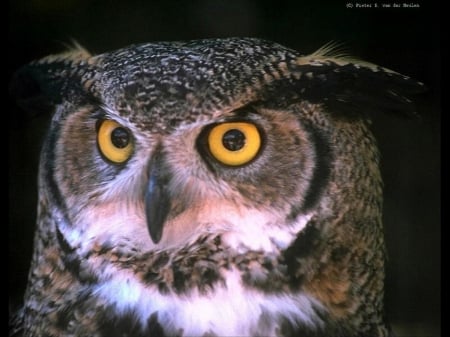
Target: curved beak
157,196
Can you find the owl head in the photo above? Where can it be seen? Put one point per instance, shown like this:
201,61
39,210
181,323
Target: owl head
220,186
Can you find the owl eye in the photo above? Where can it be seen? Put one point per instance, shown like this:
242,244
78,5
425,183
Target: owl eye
114,141
234,143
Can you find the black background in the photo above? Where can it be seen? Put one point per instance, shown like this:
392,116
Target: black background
404,39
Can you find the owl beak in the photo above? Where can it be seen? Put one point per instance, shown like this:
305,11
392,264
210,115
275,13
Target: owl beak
157,196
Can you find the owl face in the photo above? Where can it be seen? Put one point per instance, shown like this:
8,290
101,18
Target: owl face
167,174
228,174
212,187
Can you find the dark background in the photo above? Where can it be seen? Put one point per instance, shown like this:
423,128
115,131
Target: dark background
404,39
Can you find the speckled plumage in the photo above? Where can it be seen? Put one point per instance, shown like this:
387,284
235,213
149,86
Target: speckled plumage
172,241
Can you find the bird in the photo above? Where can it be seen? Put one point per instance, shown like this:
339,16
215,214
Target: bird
208,187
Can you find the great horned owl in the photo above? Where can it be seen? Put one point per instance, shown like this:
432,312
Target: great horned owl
219,187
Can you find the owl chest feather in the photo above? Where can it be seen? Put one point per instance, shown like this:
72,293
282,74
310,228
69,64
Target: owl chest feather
246,282
215,286
178,296
229,303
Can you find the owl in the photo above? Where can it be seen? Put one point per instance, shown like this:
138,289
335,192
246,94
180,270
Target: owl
215,187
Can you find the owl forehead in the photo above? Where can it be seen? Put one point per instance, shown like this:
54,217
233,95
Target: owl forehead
178,82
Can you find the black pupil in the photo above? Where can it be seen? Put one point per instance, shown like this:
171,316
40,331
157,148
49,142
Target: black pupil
120,137
233,140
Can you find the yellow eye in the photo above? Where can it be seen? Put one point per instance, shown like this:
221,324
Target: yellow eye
114,141
234,143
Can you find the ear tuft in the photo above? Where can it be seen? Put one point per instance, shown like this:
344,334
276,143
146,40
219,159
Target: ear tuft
40,85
